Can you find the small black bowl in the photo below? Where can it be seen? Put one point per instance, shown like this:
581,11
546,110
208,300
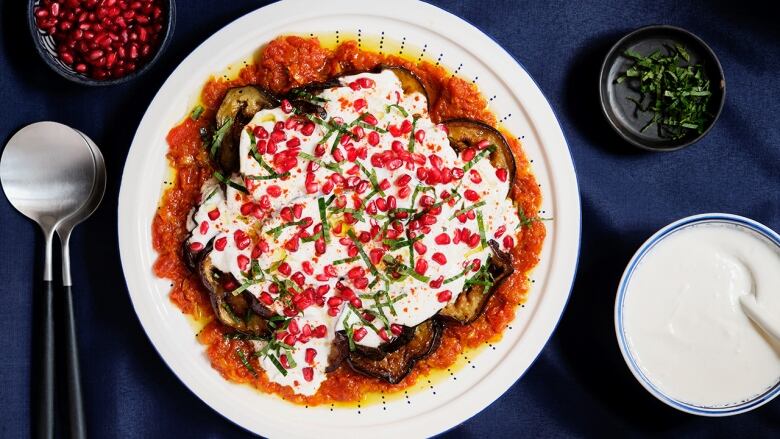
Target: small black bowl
46,48
620,111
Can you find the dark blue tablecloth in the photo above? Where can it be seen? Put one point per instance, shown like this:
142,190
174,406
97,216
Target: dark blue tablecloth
579,386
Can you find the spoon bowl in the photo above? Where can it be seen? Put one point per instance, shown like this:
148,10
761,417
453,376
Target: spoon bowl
48,172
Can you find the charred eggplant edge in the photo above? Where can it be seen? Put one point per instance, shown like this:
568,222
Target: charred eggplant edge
352,358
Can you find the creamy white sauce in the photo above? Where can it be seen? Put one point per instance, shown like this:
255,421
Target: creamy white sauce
684,323
414,301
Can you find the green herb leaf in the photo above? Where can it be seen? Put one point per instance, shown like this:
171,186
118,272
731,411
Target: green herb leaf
196,112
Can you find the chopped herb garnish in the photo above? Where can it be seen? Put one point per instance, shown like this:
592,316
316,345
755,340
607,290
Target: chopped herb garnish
467,209
278,365
481,225
457,276
211,194
399,108
526,221
346,260
324,218
196,112
331,166
308,96
277,231
245,362
237,186
479,157
362,253
411,137
216,141
674,91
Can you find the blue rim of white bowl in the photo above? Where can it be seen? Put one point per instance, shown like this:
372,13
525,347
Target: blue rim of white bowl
723,218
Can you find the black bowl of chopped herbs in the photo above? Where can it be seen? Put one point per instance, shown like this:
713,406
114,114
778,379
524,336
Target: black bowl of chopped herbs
662,88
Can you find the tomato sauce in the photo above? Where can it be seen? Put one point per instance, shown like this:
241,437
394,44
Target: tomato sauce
288,62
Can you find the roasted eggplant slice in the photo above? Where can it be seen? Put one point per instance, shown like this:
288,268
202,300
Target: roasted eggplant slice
242,312
465,133
383,349
236,110
410,82
396,365
472,301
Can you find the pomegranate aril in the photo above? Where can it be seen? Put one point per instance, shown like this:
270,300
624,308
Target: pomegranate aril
444,296
359,333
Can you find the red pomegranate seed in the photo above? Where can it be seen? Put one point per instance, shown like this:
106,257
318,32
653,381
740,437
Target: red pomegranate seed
422,173
294,142
292,327
421,266
365,82
420,248
419,136
359,104
214,214
473,240
376,255
284,268
355,301
266,298
436,283
468,154
396,329
359,333
204,227
196,246
320,331
439,258
404,192
286,106
442,239
243,262
471,195
298,278
307,268
500,231
220,243
356,272
484,143
308,373
502,174
444,296
509,242
241,239
475,176
403,180
274,190
310,355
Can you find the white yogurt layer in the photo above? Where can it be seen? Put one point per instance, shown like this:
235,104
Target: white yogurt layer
684,323
376,164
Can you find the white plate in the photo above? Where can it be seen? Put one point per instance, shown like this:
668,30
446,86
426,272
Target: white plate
523,110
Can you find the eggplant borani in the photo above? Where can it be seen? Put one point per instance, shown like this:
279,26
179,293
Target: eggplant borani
344,228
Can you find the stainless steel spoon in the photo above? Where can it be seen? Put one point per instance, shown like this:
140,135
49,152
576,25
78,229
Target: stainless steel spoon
47,174
77,427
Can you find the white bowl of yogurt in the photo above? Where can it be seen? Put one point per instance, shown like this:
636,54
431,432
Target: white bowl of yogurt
679,322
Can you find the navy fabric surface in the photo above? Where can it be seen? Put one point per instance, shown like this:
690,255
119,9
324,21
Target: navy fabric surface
579,386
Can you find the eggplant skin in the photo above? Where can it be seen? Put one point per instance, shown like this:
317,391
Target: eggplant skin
237,108
242,312
471,303
395,366
465,133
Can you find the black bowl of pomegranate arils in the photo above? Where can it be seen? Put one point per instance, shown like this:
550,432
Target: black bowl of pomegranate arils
101,42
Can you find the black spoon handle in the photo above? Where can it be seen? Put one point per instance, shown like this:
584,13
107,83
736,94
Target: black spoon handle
43,358
78,428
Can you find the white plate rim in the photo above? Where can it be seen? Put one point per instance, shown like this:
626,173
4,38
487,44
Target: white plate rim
567,237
